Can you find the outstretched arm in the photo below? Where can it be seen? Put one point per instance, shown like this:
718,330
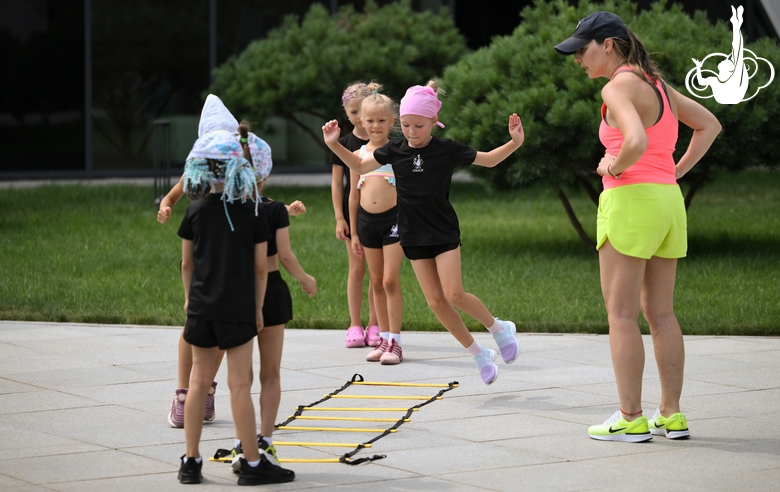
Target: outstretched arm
497,155
330,133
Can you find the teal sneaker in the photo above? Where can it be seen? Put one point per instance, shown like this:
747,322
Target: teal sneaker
488,370
616,428
672,427
506,341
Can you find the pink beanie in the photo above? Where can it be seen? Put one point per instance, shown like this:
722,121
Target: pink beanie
421,101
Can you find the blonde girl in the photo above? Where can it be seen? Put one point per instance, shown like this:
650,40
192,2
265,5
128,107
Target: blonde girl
430,235
341,187
374,215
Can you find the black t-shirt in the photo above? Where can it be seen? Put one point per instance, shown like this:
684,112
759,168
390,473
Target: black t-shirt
278,218
351,143
423,177
223,280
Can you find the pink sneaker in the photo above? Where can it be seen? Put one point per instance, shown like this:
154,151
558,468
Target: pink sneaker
356,337
376,354
211,412
176,416
393,354
372,336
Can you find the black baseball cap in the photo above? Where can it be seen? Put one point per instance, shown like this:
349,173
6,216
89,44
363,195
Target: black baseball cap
598,25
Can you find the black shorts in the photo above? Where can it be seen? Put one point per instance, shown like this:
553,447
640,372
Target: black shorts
277,307
225,335
428,252
377,230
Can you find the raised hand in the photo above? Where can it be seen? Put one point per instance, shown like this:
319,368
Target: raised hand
516,129
331,132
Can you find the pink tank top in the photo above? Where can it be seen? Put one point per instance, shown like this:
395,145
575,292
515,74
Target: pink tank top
657,164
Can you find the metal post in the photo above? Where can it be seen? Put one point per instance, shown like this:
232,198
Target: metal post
212,39
88,86
161,142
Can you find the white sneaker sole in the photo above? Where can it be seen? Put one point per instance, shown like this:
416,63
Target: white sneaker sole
624,437
685,434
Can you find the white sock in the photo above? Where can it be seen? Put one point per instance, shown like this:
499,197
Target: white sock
385,335
475,348
496,327
396,337
253,463
269,440
236,443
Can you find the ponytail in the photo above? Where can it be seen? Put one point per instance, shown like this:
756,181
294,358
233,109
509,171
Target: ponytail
434,84
636,56
243,130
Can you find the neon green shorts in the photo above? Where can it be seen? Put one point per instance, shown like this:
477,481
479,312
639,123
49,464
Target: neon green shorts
643,220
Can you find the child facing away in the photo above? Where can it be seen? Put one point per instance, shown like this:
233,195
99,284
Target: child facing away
214,116
224,271
341,189
277,308
374,215
430,235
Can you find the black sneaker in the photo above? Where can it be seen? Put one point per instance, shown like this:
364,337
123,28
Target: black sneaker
264,473
189,472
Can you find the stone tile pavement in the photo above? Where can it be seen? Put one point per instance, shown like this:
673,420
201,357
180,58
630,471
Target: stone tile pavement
83,408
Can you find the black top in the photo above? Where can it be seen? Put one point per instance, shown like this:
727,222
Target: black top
422,180
223,280
278,218
351,143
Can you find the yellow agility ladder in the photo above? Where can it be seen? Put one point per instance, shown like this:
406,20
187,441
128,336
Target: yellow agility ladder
357,379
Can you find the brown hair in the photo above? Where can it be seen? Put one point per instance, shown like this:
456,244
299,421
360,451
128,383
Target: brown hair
635,54
243,130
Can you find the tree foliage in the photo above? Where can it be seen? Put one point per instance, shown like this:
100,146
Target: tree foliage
304,65
559,105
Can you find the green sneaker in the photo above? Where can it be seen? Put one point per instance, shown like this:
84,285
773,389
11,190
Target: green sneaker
269,450
673,427
616,428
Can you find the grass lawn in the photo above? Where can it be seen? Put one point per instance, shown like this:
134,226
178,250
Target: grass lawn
96,254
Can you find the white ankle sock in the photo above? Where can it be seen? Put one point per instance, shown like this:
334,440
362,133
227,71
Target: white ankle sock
236,443
396,337
269,440
253,463
496,327
475,348
385,335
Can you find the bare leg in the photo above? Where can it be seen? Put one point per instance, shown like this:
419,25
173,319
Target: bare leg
391,281
270,340
428,278
621,285
195,405
448,266
658,308
357,271
184,366
240,383
376,264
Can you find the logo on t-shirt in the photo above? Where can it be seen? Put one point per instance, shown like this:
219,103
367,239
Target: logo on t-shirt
418,162
394,231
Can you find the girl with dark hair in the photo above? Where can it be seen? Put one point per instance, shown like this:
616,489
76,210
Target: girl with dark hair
641,228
